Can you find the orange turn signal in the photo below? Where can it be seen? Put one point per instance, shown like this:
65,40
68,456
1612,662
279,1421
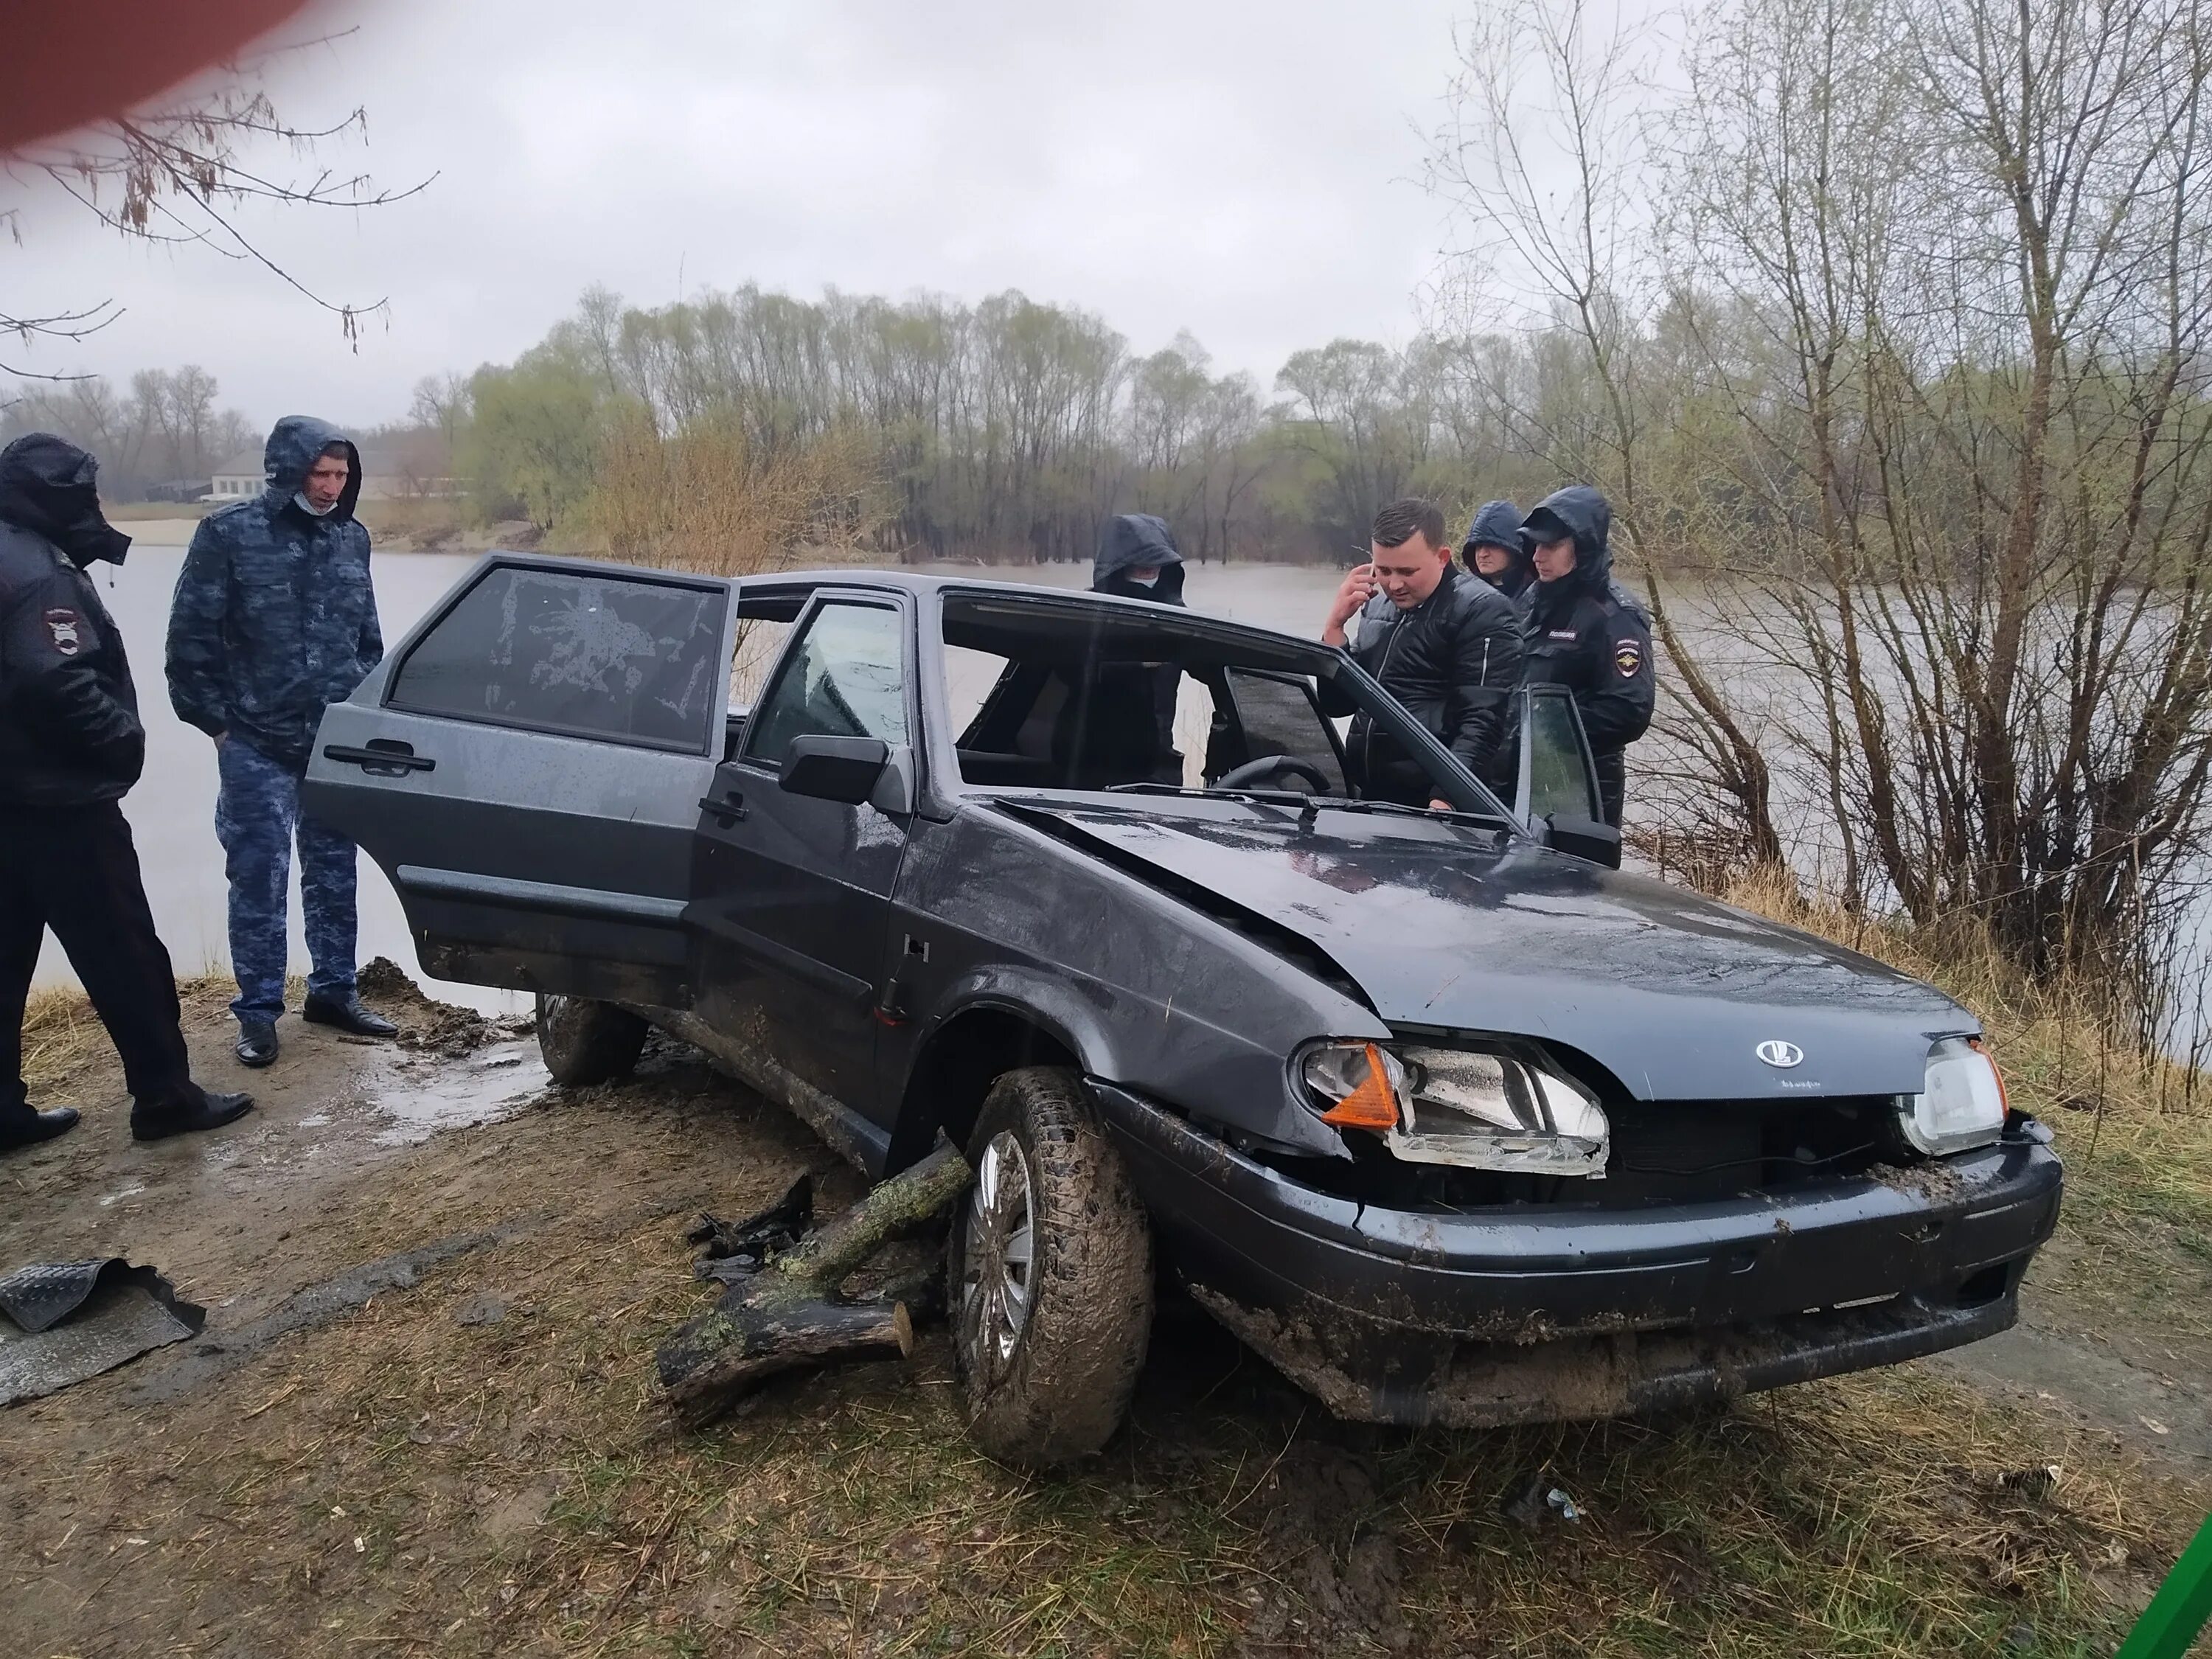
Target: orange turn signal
1982,1049
1372,1105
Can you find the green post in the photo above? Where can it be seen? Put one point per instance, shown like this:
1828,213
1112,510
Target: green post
2179,1609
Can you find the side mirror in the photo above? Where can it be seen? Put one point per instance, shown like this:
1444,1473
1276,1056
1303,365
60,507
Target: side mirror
834,768
1584,838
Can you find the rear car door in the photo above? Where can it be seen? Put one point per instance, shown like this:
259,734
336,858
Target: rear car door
527,769
791,893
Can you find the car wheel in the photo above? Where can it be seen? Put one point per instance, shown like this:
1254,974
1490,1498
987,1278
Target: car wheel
587,1041
1051,1275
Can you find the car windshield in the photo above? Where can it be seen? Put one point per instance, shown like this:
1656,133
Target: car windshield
1063,694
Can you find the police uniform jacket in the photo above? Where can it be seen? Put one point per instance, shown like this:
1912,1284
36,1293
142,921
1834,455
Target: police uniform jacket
70,734
1580,632
274,618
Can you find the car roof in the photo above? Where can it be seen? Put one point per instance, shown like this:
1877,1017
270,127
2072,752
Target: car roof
1147,613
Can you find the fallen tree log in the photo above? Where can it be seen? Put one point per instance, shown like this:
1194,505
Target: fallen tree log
789,1313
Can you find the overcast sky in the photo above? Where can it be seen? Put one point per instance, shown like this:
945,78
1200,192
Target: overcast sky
1247,171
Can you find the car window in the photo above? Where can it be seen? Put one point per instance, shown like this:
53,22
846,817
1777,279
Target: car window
1276,714
846,677
619,657
1559,782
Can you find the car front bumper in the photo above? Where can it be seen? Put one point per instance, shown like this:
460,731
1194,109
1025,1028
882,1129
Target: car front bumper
1536,1315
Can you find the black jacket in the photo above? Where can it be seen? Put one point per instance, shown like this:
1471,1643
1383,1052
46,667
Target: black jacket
1583,633
70,734
1497,524
1127,722
1453,660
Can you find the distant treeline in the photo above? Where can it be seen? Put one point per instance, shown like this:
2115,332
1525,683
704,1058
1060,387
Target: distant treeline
1005,429
163,439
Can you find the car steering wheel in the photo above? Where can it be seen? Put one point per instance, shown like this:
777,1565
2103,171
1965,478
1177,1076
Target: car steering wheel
1274,766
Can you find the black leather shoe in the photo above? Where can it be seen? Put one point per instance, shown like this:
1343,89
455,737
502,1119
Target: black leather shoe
212,1113
351,1016
31,1128
257,1043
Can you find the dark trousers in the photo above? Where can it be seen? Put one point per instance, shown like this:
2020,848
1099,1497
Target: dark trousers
259,820
74,869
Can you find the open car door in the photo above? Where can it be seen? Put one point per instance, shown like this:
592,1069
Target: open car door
1555,788
527,768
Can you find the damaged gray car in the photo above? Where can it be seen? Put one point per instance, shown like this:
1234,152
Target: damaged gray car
1439,1111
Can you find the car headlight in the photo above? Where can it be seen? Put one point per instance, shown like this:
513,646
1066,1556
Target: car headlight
1481,1109
1960,1105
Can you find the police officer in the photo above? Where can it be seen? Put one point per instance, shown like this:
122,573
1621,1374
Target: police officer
274,620
70,746
1581,632
1493,550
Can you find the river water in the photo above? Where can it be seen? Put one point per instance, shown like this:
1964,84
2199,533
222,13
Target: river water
172,812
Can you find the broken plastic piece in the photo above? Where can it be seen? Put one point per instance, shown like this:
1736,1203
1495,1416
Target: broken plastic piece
1372,1105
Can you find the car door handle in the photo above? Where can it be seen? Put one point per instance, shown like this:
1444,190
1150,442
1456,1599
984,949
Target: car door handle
728,811
387,760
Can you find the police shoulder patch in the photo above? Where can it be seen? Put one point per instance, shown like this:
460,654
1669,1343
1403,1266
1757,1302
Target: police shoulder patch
67,629
1628,657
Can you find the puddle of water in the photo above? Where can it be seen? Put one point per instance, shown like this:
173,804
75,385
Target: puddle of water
421,1096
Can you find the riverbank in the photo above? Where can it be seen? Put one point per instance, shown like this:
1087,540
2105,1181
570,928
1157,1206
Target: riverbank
422,1419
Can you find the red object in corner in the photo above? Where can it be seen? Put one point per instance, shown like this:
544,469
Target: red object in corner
70,63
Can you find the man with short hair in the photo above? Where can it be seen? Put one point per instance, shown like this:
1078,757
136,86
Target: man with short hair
1444,644
1583,633
274,620
1493,550
70,748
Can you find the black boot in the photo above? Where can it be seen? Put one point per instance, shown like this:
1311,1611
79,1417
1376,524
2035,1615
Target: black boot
351,1016
30,1128
257,1043
211,1112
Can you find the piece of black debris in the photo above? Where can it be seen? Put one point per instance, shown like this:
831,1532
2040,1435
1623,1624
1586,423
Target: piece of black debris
62,1322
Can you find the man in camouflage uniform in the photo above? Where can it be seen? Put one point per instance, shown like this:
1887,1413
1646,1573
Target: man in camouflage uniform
70,748
274,620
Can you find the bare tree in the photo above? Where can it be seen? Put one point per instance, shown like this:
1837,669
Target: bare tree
178,172
1544,158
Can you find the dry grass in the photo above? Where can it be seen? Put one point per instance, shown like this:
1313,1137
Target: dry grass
521,1490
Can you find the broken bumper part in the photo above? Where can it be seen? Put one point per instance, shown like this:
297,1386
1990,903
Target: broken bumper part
1396,1316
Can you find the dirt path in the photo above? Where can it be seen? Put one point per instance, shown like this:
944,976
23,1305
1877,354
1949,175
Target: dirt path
421,1420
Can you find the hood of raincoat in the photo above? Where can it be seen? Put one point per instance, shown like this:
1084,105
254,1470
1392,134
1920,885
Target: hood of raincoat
1497,524
1130,542
50,488
1582,513
295,444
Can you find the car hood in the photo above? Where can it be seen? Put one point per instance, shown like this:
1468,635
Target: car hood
1672,994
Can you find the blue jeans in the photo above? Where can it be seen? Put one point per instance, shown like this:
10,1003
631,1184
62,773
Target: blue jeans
258,818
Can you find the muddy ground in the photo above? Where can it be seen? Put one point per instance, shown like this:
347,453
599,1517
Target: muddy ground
422,1419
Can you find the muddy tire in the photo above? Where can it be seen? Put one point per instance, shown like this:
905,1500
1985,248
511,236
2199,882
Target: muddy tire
1051,1275
586,1041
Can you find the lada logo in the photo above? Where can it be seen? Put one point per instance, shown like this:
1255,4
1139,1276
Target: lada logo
1778,1053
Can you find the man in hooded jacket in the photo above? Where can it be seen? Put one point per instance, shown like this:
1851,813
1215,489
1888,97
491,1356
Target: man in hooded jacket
70,747
1581,633
274,620
1493,550
1129,723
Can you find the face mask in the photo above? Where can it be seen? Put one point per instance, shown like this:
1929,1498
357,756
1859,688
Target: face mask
300,496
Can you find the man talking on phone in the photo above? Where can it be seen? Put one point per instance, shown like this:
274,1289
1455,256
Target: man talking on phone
1446,644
